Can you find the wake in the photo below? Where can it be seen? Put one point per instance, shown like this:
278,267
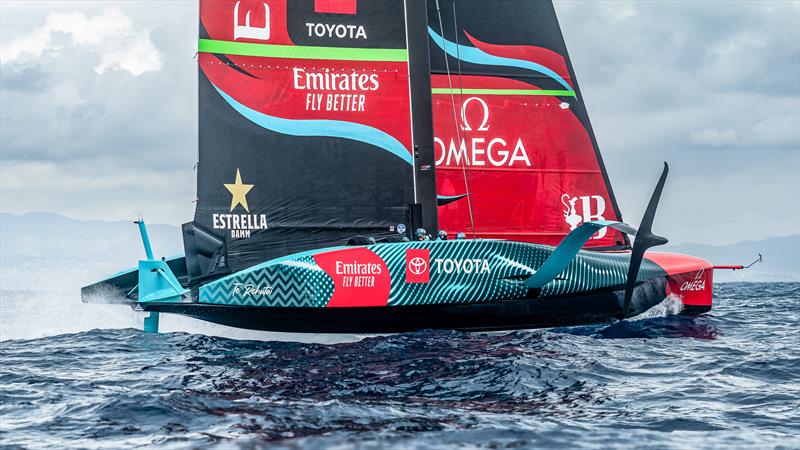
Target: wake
670,306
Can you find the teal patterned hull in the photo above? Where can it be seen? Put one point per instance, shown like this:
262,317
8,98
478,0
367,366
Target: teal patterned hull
416,274
397,287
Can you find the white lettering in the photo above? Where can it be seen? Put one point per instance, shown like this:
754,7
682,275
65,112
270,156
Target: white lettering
356,268
240,225
520,154
696,285
251,289
502,152
588,215
455,154
328,81
484,123
473,152
468,266
340,31
249,32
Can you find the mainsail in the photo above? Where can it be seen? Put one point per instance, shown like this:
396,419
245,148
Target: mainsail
306,132
511,129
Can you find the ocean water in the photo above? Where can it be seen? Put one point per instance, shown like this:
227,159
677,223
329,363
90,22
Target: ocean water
727,379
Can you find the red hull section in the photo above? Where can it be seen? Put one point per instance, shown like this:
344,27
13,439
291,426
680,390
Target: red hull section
688,277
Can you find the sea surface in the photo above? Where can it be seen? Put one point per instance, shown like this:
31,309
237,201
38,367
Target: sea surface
728,379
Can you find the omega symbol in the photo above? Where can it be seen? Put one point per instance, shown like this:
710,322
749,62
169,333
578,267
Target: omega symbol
484,123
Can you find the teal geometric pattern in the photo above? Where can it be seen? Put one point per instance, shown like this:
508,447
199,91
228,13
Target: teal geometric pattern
506,260
595,270
297,281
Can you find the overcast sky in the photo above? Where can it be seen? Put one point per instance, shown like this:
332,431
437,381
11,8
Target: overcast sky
98,109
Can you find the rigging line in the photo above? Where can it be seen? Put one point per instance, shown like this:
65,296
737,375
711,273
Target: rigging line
464,166
455,115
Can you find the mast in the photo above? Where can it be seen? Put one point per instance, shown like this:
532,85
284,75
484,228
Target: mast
422,113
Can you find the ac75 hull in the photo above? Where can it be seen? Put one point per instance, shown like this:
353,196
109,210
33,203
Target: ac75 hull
464,284
585,308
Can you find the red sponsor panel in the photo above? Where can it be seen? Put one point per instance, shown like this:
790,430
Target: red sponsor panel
296,88
360,277
418,265
688,277
258,21
350,91
532,171
335,6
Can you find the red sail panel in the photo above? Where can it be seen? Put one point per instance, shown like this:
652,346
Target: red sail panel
528,161
335,6
510,126
314,89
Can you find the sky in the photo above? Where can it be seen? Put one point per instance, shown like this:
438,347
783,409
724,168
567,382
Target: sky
98,110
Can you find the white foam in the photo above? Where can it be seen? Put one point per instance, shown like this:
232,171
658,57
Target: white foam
670,306
36,314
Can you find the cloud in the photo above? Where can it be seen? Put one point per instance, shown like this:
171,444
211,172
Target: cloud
713,88
23,78
138,57
715,137
85,105
112,191
110,34
85,130
776,131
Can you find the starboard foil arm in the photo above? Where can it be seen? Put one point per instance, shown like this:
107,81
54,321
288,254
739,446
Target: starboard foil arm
574,241
644,239
569,248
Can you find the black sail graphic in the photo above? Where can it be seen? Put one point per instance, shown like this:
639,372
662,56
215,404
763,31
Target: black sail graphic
305,122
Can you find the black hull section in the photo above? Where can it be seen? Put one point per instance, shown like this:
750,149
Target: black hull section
595,307
695,310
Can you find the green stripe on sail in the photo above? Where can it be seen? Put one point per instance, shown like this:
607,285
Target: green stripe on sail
552,92
302,52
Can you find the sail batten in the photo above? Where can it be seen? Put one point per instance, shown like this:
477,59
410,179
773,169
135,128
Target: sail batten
301,52
478,91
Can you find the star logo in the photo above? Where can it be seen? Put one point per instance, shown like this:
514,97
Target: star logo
239,192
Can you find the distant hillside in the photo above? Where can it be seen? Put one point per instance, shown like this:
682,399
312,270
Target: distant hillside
53,252
781,258
50,251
